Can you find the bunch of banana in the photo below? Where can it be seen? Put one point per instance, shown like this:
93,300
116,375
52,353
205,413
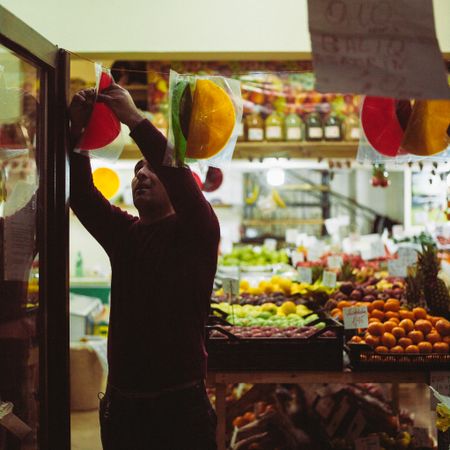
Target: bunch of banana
277,199
254,195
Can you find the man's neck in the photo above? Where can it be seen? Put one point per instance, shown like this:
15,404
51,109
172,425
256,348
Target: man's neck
148,219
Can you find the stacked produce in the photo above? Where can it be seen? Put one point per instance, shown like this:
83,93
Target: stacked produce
253,256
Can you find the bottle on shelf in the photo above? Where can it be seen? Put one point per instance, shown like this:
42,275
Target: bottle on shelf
293,126
241,131
313,127
332,127
79,266
352,128
254,127
274,126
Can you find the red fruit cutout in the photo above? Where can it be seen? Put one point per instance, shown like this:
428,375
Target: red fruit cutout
103,126
381,125
213,180
197,180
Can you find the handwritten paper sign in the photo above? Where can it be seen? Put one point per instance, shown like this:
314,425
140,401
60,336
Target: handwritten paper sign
367,443
397,268
329,278
270,244
334,262
297,257
384,48
230,287
305,275
355,317
408,255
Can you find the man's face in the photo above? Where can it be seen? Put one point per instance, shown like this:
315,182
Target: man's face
149,194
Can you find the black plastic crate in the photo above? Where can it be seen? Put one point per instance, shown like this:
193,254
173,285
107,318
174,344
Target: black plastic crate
317,352
364,358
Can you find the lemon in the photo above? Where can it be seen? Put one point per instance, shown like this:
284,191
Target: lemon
288,308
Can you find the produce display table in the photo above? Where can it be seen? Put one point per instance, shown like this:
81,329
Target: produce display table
219,380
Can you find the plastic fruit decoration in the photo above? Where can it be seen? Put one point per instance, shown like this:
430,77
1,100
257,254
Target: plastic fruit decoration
381,124
106,181
212,120
213,180
426,133
103,126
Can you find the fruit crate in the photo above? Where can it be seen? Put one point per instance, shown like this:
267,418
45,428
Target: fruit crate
363,357
321,350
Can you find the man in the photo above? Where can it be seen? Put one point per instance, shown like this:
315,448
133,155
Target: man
163,265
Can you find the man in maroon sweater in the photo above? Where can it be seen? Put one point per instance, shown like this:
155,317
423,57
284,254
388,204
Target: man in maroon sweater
163,266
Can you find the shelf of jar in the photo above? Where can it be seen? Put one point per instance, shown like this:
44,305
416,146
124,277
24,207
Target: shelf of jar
258,150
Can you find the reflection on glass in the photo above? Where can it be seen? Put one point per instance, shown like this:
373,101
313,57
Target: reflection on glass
19,262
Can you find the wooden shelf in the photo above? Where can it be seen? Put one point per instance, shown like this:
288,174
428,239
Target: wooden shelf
258,150
306,377
287,222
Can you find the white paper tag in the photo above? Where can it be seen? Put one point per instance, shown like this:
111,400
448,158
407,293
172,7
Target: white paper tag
230,286
297,257
290,236
273,132
315,252
332,132
255,134
329,278
305,274
355,317
408,255
377,250
270,244
294,134
367,443
315,132
355,133
334,262
397,268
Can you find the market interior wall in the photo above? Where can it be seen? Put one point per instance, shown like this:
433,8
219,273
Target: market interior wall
355,184
179,26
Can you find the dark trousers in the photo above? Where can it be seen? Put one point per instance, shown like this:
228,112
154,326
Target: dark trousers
178,420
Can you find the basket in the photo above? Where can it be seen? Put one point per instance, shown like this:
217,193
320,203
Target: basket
363,357
318,352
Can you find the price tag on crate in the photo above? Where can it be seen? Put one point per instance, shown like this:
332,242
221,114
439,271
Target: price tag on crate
355,317
231,287
377,249
329,278
270,244
334,262
441,382
297,257
368,443
397,268
316,251
305,274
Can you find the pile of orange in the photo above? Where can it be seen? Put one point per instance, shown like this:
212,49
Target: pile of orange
397,330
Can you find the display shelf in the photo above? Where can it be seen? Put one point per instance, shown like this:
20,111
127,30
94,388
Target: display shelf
219,380
284,222
258,150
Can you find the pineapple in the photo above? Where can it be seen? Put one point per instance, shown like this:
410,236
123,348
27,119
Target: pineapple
414,289
435,291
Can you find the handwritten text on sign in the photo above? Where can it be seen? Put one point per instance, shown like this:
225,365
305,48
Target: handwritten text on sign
385,48
355,317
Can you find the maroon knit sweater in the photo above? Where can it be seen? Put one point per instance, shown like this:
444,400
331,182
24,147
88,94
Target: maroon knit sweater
162,273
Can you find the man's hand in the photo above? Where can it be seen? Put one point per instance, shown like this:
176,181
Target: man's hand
120,102
80,110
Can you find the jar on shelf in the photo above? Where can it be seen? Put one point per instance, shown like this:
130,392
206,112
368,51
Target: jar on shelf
293,126
313,127
332,128
352,128
254,127
274,126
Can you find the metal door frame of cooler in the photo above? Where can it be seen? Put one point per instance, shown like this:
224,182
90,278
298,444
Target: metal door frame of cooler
52,228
